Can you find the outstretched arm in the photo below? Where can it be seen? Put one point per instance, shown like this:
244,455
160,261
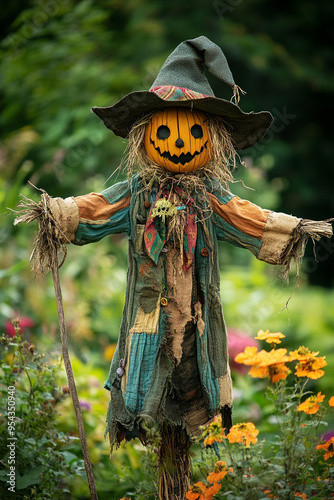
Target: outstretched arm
88,218
273,237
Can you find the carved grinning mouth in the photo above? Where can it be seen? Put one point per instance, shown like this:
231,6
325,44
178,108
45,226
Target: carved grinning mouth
183,158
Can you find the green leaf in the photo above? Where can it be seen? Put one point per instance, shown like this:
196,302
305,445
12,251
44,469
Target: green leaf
30,478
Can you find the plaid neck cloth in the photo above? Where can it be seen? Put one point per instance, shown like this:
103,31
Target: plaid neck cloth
155,235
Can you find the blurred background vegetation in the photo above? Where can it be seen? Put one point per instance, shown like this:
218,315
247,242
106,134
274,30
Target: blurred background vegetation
61,57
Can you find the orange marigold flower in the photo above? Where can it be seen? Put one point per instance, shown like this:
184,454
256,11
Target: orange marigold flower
311,368
269,494
248,357
212,439
259,372
271,358
196,492
302,354
265,364
331,401
271,338
211,491
271,364
279,372
213,432
329,447
310,405
244,433
219,472
300,495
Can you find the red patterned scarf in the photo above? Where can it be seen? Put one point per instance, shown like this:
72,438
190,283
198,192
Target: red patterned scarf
155,235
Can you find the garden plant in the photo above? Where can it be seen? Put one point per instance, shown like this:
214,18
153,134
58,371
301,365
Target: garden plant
60,58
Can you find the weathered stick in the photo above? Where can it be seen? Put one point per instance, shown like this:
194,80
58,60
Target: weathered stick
173,463
71,383
45,258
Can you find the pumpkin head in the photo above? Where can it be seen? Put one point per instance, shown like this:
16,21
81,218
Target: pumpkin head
177,139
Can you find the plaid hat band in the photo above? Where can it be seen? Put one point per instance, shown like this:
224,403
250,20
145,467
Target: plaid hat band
171,93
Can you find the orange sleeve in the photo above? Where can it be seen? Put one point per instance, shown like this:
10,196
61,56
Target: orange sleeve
94,206
241,214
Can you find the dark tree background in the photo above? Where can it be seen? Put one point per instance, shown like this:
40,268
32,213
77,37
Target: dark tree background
60,57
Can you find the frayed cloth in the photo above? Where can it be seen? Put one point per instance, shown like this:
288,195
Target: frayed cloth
295,249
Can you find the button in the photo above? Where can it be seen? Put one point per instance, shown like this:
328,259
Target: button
163,301
204,252
147,204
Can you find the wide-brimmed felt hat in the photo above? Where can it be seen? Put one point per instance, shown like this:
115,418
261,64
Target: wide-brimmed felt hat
182,82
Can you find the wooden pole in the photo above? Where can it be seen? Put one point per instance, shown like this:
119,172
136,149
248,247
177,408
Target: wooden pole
71,382
45,258
173,463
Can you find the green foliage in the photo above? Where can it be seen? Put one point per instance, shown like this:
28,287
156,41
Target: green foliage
132,467
283,460
59,58
43,466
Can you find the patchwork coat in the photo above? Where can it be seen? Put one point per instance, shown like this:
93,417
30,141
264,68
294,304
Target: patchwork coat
171,360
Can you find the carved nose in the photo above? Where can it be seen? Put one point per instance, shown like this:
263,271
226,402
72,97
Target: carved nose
179,143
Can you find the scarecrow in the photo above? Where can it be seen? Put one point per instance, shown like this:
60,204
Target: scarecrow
171,362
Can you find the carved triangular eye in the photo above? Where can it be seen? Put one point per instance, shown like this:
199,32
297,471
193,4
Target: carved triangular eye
197,131
163,132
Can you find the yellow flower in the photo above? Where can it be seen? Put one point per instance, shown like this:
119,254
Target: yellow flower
271,338
310,405
278,372
259,372
248,357
329,446
311,367
271,364
331,401
244,433
265,364
219,472
273,357
302,354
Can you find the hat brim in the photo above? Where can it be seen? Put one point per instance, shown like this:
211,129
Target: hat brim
245,128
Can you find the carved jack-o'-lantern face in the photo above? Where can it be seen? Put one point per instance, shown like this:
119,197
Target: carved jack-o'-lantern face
177,139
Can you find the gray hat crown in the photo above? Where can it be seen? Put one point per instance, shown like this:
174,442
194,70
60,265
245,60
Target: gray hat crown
184,67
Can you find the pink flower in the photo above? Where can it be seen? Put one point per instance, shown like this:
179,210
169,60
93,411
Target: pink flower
24,322
237,341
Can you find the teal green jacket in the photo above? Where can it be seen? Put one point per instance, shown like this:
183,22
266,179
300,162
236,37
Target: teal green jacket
141,369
